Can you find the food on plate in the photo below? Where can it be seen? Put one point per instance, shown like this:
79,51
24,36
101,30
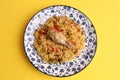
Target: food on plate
59,39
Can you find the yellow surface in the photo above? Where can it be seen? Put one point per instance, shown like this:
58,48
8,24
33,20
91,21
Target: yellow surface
14,16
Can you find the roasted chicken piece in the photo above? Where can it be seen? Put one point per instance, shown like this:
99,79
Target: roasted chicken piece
59,38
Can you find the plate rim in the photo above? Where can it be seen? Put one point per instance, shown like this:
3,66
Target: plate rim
74,9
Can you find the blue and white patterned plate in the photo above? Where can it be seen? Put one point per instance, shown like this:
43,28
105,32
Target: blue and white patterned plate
66,68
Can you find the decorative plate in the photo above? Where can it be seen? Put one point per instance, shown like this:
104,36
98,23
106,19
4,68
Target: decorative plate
66,68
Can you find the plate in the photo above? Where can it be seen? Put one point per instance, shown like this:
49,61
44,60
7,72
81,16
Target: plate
66,68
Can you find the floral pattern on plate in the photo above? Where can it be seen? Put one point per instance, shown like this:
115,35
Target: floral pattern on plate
66,68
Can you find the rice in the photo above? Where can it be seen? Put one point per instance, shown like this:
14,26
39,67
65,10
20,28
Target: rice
59,39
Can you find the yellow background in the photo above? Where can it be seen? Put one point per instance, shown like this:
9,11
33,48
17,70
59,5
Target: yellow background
14,16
